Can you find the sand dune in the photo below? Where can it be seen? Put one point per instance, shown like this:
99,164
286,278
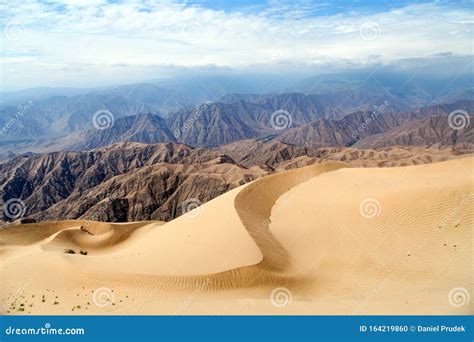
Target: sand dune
322,239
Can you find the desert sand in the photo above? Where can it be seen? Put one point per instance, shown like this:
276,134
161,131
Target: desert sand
322,239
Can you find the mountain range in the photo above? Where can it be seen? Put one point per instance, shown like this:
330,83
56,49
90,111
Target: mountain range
305,122
291,118
135,182
97,184
154,150
55,113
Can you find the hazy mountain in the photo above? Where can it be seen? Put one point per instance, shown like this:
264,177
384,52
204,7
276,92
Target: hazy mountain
252,98
57,112
329,105
447,108
212,87
412,89
337,105
18,97
216,123
434,131
60,115
221,123
66,123
353,129
345,131
145,128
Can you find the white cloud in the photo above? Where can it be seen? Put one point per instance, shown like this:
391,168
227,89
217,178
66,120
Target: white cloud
90,38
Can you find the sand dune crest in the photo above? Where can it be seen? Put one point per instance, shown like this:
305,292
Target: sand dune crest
334,239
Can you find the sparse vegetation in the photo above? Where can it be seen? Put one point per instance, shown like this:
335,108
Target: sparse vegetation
72,251
69,251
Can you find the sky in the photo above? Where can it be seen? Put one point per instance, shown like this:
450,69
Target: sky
83,43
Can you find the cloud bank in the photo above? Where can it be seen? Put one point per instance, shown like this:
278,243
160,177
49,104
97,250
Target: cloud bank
79,43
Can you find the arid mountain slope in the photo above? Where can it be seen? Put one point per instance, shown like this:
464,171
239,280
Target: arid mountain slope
222,123
144,128
215,124
447,108
429,127
434,131
133,181
276,156
58,115
305,120
346,131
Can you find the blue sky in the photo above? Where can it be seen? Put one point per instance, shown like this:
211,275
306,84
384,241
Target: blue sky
318,7
98,42
321,8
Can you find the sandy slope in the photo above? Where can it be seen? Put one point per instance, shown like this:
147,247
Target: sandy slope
323,239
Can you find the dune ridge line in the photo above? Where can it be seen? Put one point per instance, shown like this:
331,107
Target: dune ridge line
253,205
